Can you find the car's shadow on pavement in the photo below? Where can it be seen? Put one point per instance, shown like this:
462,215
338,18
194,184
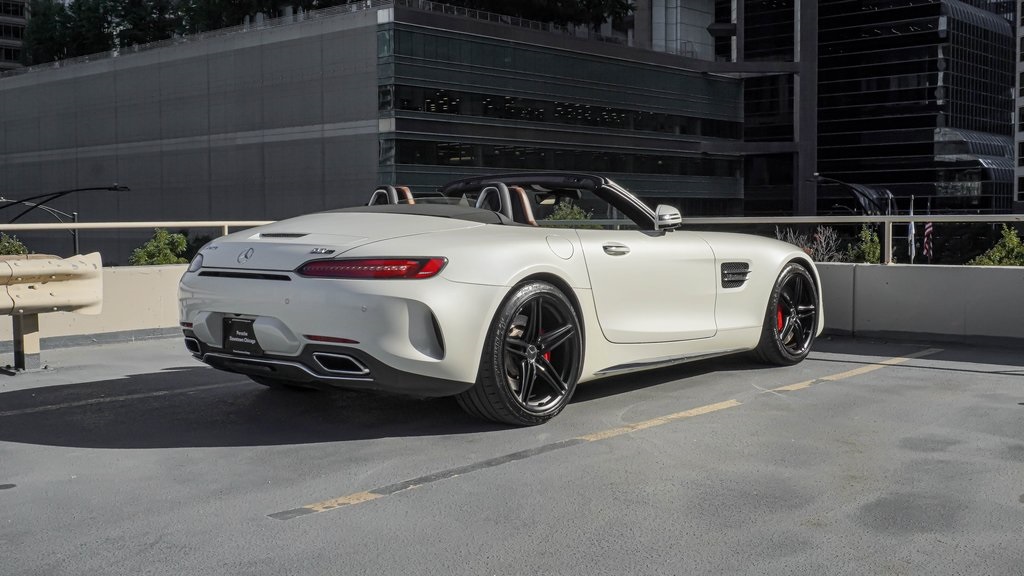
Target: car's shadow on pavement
200,407
674,375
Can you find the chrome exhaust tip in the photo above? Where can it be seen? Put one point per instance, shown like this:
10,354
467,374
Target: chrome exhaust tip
340,364
192,345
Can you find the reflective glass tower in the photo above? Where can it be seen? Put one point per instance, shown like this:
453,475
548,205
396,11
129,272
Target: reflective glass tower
917,97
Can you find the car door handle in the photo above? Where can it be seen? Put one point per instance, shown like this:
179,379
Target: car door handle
616,249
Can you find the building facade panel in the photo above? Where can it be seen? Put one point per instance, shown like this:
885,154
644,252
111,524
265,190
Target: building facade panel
292,84
96,106
185,176
346,174
237,181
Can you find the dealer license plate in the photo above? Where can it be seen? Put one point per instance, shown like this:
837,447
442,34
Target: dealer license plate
240,338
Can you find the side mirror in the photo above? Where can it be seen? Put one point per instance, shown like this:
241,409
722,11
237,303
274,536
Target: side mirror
667,218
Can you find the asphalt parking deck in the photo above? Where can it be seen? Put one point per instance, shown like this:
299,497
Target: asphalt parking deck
868,458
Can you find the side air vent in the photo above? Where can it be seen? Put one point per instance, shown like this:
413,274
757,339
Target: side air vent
283,234
734,274
246,275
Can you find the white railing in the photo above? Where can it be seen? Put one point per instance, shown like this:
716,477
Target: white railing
224,225
886,221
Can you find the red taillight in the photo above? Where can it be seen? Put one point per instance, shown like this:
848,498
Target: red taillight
331,339
408,268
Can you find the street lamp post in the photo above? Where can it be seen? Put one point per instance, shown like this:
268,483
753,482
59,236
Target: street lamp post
53,212
867,197
51,196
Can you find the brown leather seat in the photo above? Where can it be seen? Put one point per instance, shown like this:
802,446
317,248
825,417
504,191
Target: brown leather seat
405,195
522,211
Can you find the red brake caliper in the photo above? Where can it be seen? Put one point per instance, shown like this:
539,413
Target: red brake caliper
778,317
546,355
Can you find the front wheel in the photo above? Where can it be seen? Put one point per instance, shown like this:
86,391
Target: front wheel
531,359
791,320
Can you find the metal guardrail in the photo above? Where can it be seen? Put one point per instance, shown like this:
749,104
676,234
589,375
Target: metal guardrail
886,221
33,285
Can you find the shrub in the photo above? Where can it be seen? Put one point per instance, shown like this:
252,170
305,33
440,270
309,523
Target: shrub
823,246
569,210
868,248
162,248
1008,251
10,245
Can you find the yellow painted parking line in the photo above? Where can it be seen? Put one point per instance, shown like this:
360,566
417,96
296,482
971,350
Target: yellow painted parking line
349,500
794,387
858,371
604,435
377,493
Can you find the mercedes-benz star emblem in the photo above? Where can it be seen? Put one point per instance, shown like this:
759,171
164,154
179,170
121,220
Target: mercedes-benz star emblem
244,256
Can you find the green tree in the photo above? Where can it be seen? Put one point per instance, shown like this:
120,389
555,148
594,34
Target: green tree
595,12
204,15
10,245
145,21
89,27
162,248
1008,251
45,35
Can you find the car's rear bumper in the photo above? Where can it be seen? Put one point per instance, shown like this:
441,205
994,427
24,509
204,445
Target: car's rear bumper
431,328
325,366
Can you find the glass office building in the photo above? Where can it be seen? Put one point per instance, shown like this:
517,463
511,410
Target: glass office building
12,31
472,97
916,97
1019,111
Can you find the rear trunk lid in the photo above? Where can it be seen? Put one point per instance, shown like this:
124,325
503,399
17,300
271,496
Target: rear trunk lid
287,244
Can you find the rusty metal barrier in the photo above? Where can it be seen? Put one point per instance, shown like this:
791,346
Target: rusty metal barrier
34,284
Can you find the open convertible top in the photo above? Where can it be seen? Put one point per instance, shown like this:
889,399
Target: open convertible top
521,198
454,211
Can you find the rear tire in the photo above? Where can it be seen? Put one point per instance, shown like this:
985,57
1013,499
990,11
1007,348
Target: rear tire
531,360
791,320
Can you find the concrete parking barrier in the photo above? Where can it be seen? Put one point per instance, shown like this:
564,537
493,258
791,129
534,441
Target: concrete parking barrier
34,284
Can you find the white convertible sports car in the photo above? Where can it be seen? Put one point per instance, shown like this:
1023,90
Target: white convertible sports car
463,294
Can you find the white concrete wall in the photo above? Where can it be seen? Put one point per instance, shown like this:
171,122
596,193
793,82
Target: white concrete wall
951,303
136,299
973,304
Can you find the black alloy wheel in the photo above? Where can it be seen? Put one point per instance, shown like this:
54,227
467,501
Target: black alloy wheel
531,361
791,321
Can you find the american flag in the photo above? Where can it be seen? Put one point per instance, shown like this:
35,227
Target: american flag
926,244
